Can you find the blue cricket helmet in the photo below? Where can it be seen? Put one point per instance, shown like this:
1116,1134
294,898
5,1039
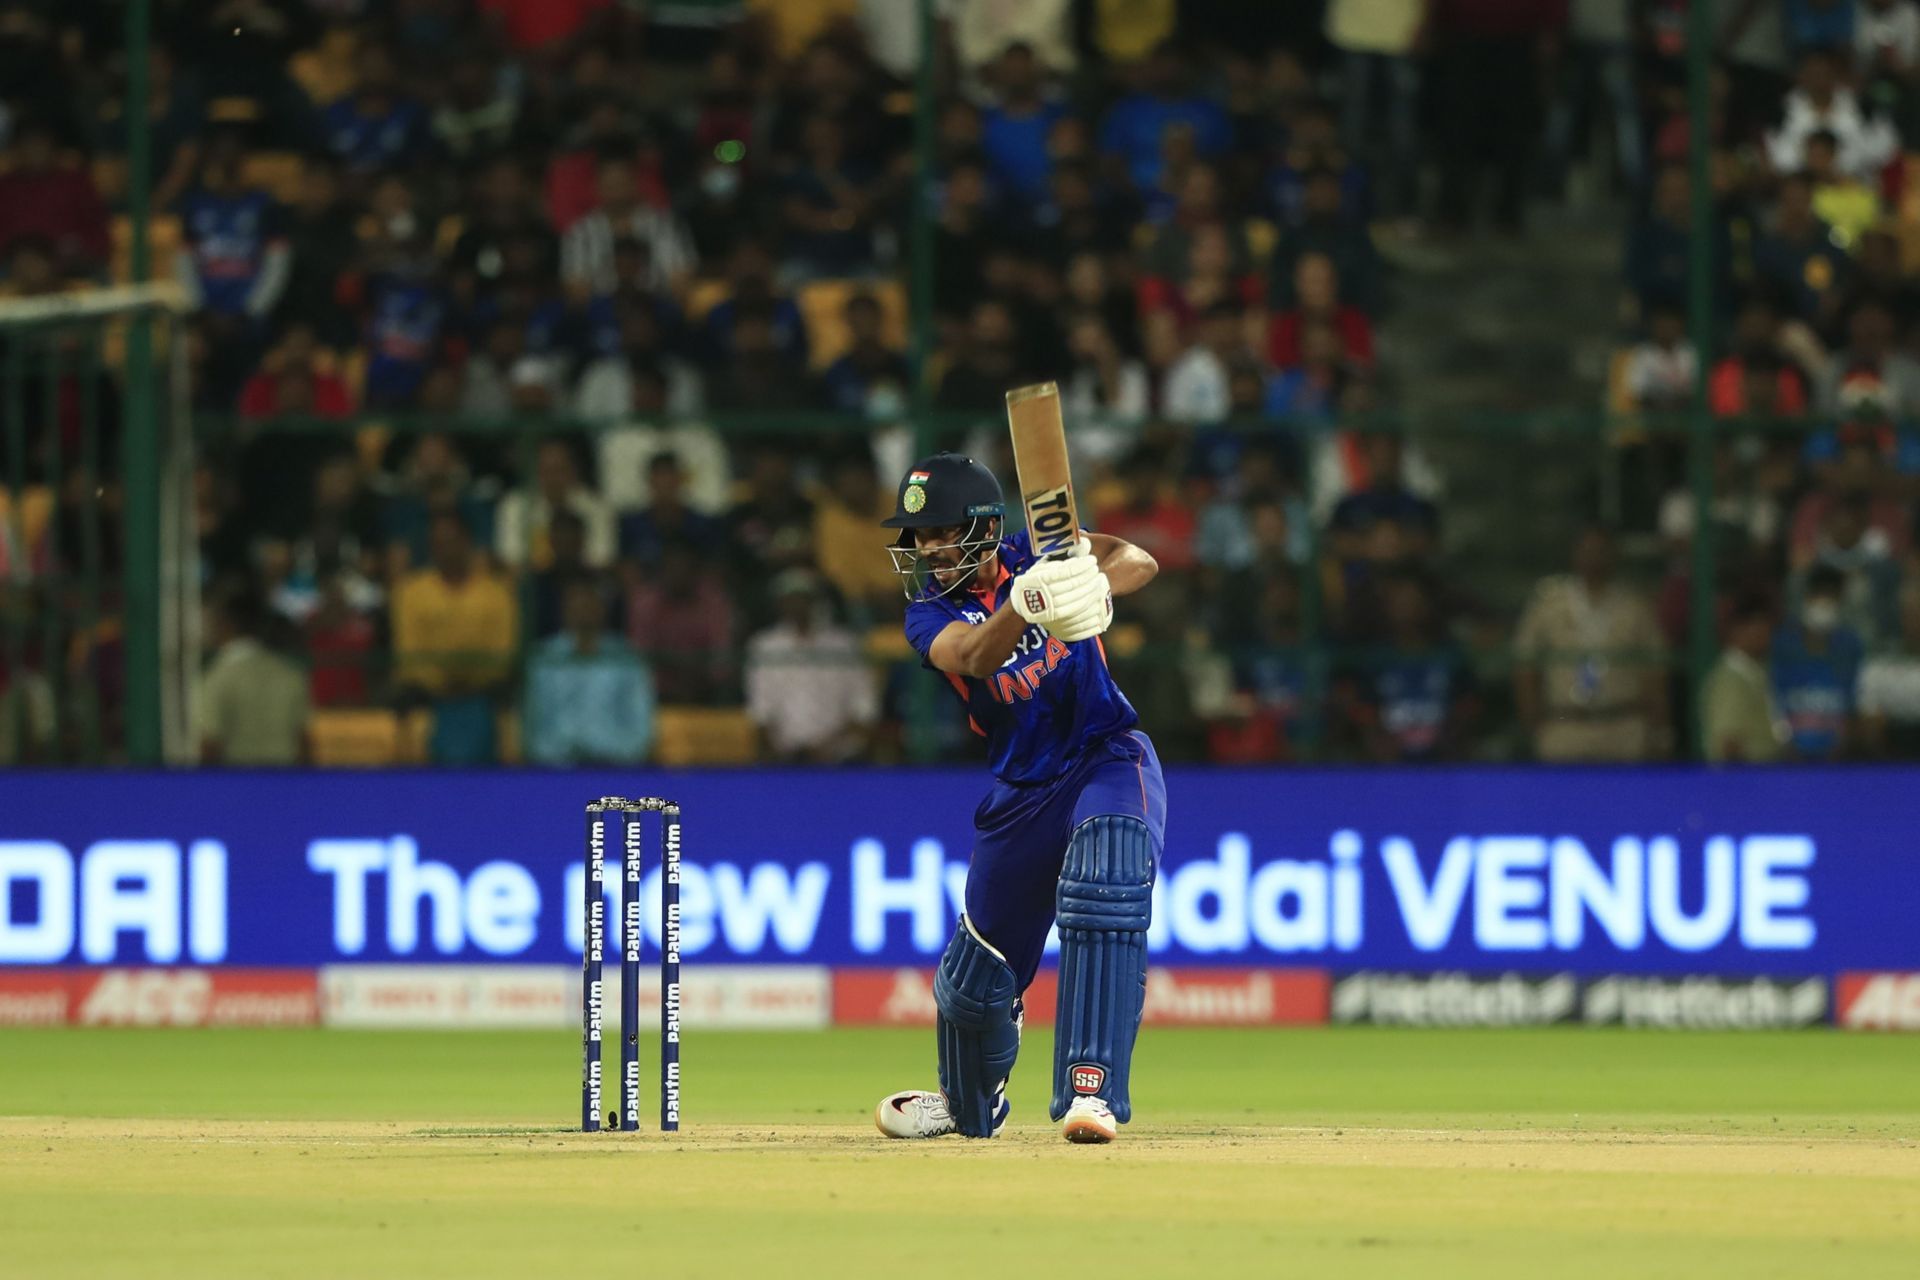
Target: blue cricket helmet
947,490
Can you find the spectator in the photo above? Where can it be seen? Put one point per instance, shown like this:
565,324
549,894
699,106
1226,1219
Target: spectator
46,198
340,642
1796,255
1103,383
680,617
296,380
1313,385
1412,698
808,688
323,281
1661,371
759,375
479,110
960,239
627,453
1317,299
235,259
503,378
1330,228
987,363
1840,200
407,311
1820,101
377,127
849,543
1739,718
751,289
590,698
829,205
1755,378
1590,685
547,588
772,527
1197,389
1383,520
1863,457
1889,690
503,234
253,702
1862,555
454,632
1886,38
1871,373
872,377
1488,57
643,379
521,532
1658,241
668,516
1816,666
586,252
1379,41
1135,127
982,30
434,480
1015,129
542,28
1148,516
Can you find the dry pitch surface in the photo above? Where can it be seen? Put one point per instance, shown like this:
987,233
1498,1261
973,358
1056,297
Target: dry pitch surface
1322,1153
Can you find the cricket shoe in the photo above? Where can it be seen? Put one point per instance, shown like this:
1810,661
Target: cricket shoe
922,1113
1089,1120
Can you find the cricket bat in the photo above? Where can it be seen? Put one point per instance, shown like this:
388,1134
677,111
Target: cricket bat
1040,461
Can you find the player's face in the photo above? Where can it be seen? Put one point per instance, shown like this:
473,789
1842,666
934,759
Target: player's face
941,550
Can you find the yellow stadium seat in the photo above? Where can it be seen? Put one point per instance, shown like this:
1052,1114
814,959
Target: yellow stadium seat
703,296
326,71
30,522
163,237
886,642
1262,236
823,305
704,735
416,736
280,172
354,737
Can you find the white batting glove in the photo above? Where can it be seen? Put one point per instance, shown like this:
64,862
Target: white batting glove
1055,588
1092,618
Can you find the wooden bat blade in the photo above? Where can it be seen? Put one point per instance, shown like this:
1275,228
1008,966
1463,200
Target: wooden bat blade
1040,460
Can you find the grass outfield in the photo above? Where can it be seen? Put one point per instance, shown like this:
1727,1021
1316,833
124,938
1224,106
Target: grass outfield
1565,1152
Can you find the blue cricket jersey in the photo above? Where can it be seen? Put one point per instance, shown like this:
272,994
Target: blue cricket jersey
1048,702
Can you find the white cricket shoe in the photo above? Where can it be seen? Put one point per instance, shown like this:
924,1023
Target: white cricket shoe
1089,1120
922,1113
914,1113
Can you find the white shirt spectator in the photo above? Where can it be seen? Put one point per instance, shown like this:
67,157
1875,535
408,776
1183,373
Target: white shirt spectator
1890,686
627,452
586,252
1895,28
1197,388
982,30
1660,377
520,529
1867,142
806,689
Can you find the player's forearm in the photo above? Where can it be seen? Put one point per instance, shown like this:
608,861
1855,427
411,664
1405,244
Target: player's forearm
984,649
1128,568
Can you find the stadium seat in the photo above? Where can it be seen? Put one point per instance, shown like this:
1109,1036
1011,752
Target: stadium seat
1262,236
702,297
362,737
704,735
823,305
35,513
886,642
326,71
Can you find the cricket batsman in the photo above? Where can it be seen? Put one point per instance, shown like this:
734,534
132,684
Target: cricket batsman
1071,829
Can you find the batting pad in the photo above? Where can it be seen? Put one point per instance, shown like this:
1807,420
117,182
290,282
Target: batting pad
1105,906
979,1037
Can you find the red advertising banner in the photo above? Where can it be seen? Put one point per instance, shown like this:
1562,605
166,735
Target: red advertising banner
159,997
1878,1001
1175,997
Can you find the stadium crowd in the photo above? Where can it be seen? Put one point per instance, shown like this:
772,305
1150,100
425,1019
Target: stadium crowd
664,251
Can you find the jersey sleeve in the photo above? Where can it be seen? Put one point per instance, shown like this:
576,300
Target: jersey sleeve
926,619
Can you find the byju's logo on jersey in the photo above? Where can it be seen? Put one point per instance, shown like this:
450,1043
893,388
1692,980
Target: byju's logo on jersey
1087,1077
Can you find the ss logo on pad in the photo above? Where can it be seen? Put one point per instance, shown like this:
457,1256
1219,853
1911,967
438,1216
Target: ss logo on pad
1086,1077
